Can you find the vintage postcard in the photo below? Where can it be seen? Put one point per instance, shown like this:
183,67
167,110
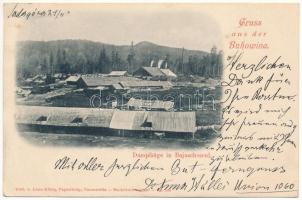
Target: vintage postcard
151,100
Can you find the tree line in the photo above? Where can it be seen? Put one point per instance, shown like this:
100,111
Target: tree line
86,59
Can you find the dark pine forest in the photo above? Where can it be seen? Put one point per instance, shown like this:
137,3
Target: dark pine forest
86,57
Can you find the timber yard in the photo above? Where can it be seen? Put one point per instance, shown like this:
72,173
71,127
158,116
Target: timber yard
152,102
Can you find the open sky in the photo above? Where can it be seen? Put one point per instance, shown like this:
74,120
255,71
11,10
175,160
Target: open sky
166,25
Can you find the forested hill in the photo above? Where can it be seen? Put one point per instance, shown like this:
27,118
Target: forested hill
83,56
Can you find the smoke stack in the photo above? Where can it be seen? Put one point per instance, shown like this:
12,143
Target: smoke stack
159,64
152,62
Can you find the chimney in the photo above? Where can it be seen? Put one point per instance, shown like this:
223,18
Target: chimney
152,62
159,64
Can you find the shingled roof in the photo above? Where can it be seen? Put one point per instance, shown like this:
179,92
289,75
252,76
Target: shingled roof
160,121
150,104
118,73
93,81
154,71
60,116
146,84
108,118
72,78
168,73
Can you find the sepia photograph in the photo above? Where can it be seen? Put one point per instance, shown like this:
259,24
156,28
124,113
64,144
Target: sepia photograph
120,78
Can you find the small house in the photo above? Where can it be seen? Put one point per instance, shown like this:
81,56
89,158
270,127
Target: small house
150,73
75,80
